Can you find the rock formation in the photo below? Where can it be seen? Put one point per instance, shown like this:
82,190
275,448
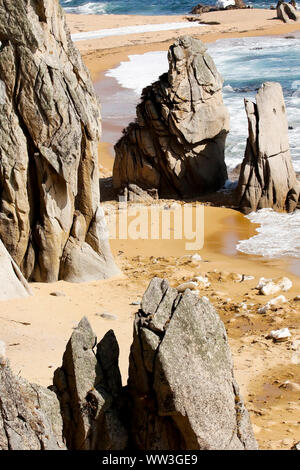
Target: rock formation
183,393
220,5
267,178
287,12
29,415
50,220
176,145
89,386
12,282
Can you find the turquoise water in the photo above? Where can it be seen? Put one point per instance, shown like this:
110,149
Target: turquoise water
144,7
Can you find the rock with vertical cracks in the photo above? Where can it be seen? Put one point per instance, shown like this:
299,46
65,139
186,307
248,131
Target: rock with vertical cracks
29,415
182,391
49,129
89,389
287,12
267,177
176,145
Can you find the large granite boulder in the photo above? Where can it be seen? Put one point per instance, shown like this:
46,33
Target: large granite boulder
267,177
183,395
29,414
287,12
90,392
13,285
175,147
50,218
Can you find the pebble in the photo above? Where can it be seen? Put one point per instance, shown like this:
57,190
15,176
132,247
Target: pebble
272,304
297,298
280,335
285,284
202,281
136,302
195,259
58,294
187,285
107,316
269,289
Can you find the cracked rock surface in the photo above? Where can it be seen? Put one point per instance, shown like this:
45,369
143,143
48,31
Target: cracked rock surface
176,145
267,177
50,219
29,415
182,391
89,388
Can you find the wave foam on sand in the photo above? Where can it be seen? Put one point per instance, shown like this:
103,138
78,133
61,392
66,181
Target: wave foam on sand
278,235
137,29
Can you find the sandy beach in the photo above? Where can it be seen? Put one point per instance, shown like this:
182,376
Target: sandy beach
36,329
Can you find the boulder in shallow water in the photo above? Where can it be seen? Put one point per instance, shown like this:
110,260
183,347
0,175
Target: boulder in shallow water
176,145
49,132
267,177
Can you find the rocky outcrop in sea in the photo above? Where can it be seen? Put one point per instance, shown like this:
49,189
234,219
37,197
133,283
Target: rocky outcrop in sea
175,148
267,178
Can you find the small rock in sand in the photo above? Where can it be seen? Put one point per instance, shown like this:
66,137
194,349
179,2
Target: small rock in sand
297,298
107,316
187,285
285,284
202,281
136,302
296,446
280,335
269,288
195,259
273,304
58,294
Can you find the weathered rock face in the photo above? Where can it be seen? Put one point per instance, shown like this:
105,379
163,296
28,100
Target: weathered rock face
50,218
29,415
267,178
12,282
181,385
89,388
181,392
287,12
176,145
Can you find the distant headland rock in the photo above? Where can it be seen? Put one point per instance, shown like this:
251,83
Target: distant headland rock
176,145
50,219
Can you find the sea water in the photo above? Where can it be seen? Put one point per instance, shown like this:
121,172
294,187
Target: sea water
144,7
244,63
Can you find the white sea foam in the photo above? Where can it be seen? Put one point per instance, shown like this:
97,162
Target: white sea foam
90,8
278,235
144,28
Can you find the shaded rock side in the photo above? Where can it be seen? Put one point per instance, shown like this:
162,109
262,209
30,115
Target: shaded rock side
50,218
13,285
29,415
175,148
287,12
267,177
183,395
90,392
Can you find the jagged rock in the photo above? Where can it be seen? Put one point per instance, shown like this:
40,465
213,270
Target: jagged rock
29,415
176,145
89,388
287,12
49,130
182,391
267,178
12,282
